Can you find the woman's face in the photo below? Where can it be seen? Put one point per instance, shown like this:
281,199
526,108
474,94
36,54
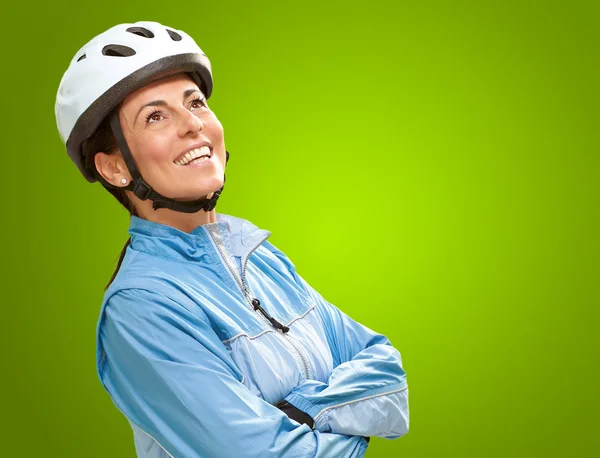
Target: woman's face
166,124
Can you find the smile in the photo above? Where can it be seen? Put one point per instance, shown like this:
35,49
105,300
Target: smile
195,156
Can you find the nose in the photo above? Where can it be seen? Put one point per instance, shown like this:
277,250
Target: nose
190,123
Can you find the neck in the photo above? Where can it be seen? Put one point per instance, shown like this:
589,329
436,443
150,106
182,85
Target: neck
185,222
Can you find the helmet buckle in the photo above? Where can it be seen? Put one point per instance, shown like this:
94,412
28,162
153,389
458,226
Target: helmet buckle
142,190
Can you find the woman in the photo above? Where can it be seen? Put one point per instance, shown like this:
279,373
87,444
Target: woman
209,342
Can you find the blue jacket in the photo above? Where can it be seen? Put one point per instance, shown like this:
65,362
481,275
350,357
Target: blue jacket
197,371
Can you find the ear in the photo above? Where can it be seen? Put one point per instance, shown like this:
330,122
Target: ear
112,168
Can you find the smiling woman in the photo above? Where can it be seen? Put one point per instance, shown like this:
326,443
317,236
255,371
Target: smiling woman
164,124
208,340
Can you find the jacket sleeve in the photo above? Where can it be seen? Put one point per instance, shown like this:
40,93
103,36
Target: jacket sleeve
367,391
170,375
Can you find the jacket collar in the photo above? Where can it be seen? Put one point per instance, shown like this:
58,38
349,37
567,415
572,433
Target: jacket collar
238,236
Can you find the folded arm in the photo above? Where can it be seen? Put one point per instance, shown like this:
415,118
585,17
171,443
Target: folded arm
367,391
171,376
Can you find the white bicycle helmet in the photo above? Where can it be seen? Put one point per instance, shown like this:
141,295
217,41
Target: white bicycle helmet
112,65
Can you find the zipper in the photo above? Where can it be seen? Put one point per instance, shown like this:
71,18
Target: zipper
304,361
255,303
284,333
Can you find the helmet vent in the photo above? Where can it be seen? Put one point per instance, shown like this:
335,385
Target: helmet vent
118,51
141,31
174,35
81,57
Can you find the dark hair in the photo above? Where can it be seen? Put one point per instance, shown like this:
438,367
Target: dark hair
104,140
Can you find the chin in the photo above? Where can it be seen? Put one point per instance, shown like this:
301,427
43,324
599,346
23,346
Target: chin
201,194
188,192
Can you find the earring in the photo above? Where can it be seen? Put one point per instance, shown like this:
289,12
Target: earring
123,180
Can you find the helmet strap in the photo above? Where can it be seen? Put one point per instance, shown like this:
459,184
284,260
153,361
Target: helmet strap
144,191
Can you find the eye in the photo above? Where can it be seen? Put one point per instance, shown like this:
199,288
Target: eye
154,117
198,103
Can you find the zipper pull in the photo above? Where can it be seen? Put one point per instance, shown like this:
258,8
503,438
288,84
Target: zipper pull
276,324
279,326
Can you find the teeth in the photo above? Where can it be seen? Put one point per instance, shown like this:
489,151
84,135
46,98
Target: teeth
201,159
194,154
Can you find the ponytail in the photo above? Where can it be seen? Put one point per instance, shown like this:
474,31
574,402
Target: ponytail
121,256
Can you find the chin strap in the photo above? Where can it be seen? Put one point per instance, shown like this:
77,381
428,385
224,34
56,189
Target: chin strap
144,191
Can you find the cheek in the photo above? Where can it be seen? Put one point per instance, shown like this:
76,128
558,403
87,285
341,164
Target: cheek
152,149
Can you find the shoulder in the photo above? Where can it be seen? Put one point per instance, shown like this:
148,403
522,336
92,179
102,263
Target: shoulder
145,309
147,297
279,255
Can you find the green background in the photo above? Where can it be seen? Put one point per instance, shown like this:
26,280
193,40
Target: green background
430,167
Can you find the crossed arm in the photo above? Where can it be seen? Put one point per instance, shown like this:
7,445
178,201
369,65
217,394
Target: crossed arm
170,375
367,391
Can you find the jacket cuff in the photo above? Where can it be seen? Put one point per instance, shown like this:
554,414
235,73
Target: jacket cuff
296,414
298,398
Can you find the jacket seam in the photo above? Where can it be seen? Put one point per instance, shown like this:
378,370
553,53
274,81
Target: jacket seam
166,296
157,443
244,334
312,307
327,409
173,259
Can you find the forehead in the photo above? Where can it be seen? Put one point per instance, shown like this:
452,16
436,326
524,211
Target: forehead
162,89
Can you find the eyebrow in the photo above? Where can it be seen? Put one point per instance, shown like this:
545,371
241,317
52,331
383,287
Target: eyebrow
162,103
